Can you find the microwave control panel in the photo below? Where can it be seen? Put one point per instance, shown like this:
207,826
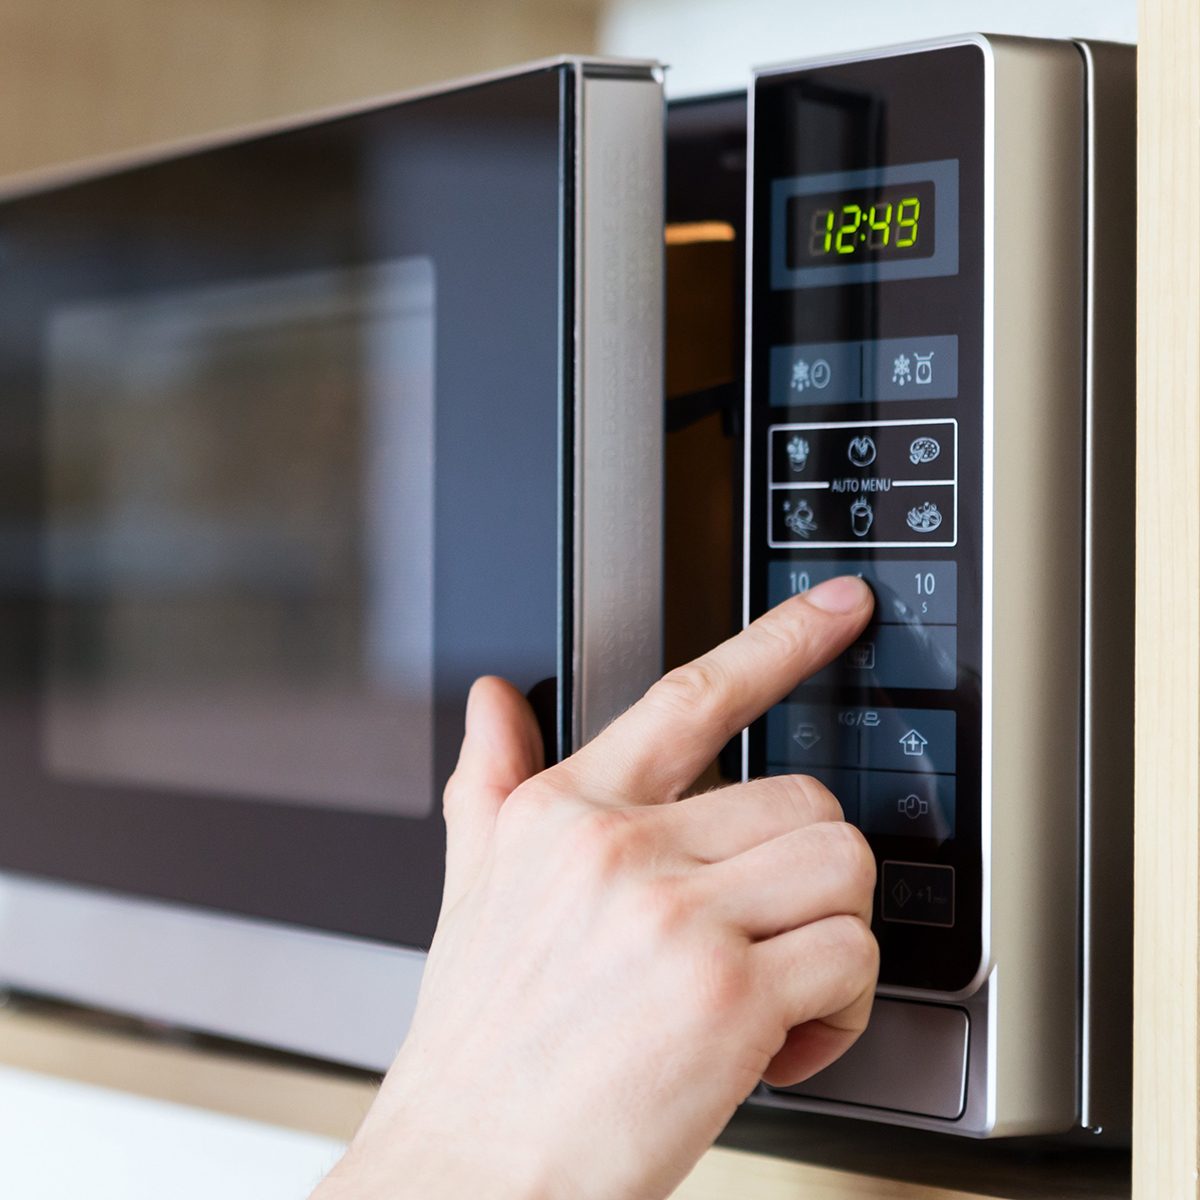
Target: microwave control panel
865,435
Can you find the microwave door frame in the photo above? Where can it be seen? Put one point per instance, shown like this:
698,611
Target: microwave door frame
292,987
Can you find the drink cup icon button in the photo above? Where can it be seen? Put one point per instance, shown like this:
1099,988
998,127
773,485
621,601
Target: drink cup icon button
862,516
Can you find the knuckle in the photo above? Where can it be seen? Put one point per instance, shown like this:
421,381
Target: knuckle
693,690
786,633
854,855
455,798
724,981
826,806
665,906
531,799
809,800
529,806
604,840
856,946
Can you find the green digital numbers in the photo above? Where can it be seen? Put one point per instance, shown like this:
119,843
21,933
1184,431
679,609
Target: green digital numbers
908,213
881,227
847,240
867,225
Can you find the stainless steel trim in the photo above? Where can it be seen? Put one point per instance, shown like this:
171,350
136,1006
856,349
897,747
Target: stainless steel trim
747,385
43,179
974,1119
1036,580
618,544
1106,1000
896,50
338,998
987,1084
923,1051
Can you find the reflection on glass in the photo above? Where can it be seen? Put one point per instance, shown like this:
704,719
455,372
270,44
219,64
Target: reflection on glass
240,539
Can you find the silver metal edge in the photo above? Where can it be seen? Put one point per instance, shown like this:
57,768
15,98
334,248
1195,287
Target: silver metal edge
27,183
1032,1070
748,381
258,981
1109,530
1089,532
618,545
895,50
975,1120
985,1074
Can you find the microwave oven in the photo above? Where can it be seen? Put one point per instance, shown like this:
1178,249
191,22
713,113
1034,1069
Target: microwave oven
305,428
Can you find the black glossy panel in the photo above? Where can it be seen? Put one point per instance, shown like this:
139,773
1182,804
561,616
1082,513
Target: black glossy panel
866,456
230,528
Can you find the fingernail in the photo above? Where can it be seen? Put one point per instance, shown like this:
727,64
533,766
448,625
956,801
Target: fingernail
845,594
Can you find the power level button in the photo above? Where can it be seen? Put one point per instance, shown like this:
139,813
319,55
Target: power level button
917,894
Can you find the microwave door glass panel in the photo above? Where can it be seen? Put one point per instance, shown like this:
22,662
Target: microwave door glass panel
240,539
280,441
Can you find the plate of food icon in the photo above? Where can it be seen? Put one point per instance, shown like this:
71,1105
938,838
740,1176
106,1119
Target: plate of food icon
925,518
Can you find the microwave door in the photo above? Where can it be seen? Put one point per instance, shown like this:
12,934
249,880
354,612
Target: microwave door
300,432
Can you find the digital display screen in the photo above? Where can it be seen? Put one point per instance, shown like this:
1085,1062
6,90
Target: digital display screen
868,225
862,225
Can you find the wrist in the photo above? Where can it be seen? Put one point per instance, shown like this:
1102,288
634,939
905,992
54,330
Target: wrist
434,1161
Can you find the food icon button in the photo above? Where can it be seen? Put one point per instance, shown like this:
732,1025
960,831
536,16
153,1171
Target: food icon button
923,450
925,518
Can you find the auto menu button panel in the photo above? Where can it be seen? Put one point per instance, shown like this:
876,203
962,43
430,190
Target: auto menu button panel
878,483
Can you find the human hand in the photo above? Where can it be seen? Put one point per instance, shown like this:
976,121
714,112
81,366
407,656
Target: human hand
615,968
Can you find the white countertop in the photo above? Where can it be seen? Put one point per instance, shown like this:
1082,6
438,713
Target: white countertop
61,1140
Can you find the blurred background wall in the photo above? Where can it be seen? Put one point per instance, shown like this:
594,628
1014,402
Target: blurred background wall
85,77
710,44
80,78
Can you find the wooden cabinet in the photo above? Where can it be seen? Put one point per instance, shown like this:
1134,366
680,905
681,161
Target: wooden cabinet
1166,842
1165,1159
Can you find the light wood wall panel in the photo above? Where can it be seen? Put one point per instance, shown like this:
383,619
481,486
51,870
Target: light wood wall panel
1167,837
80,78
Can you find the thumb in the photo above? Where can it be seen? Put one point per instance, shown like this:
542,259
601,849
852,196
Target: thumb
502,747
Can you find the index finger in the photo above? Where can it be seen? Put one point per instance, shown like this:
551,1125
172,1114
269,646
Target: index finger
655,750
